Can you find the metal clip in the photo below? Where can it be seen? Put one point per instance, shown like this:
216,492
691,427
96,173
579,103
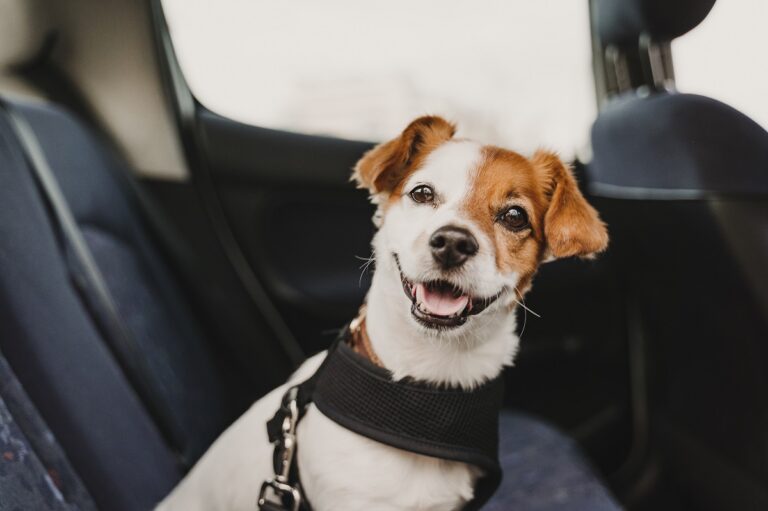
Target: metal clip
286,446
280,491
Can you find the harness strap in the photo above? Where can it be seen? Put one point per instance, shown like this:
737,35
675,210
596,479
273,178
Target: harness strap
447,423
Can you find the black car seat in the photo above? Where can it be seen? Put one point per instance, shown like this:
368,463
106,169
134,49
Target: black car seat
687,180
59,349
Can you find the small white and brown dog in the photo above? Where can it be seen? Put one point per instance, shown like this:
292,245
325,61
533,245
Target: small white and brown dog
462,229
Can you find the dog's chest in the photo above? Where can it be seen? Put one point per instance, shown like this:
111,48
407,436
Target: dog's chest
342,470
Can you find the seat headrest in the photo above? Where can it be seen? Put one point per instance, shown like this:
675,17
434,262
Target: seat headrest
677,146
24,25
621,22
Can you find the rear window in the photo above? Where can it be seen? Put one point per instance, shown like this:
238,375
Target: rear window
517,73
725,57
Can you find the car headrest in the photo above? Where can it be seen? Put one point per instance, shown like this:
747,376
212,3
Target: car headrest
678,146
24,25
621,22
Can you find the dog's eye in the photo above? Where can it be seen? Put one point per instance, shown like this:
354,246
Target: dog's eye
422,194
514,218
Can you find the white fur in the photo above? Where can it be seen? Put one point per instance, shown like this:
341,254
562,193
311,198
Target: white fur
467,355
341,470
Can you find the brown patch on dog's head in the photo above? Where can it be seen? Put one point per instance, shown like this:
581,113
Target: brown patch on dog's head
571,225
560,221
385,167
505,179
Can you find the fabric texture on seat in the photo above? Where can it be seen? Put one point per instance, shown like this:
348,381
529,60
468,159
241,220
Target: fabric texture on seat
24,482
34,472
544,470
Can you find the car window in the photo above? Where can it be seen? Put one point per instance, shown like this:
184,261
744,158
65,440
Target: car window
516,73
725,57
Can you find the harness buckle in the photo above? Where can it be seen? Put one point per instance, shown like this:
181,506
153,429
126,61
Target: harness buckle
282,492
285,450
287,444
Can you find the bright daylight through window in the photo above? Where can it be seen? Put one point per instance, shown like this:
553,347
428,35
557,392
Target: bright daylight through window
512,72
724,57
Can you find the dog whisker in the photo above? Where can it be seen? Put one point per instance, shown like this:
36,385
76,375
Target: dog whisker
521,303
368,261
526,310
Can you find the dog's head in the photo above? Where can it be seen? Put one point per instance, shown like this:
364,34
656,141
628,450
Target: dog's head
464,226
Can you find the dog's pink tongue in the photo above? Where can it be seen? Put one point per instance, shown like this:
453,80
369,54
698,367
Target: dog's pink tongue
440,304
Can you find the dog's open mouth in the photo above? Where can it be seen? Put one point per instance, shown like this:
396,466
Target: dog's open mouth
440,303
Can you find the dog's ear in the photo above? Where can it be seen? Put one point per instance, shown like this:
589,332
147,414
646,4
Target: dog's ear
382,168
571,226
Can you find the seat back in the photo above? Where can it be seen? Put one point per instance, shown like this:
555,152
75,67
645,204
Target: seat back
148,300
688,181
50,338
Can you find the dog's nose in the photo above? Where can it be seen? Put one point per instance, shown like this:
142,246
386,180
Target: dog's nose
451,246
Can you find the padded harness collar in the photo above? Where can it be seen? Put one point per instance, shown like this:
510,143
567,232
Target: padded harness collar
446,422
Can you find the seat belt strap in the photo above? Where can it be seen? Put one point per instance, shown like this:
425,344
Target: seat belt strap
90,282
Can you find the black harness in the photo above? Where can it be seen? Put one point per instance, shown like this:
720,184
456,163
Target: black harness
448,423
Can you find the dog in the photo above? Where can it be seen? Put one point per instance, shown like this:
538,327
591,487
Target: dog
462,229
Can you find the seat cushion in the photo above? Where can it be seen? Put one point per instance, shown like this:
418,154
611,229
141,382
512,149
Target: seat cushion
544,470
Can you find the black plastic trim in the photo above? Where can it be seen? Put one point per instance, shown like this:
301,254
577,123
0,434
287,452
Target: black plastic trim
238,151
185,109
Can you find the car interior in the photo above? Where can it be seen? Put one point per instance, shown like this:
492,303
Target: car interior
163,266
